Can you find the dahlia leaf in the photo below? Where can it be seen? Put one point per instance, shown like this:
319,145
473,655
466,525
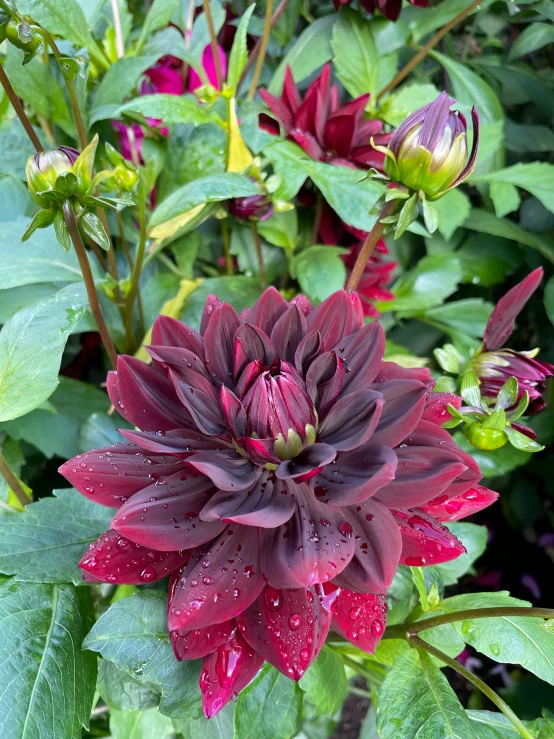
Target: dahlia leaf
159,15
520,408
469,389
121,691
319,270
449,358
494,725
416,700
324,683
521,441
474,539
355,56
270,706
132,633
46,541
48,681
140,724
239,51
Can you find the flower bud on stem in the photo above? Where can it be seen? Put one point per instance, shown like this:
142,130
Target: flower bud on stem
369,245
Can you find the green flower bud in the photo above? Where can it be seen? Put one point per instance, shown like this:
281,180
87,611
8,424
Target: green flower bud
44,168
482,438
23,37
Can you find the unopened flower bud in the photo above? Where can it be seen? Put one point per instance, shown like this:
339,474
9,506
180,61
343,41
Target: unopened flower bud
428,151
44,168
483,438
23,37
251,208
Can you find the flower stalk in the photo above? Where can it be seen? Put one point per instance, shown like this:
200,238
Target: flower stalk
134,292
258,245
16,105
254,53
260,58
12,482
369,245
214,44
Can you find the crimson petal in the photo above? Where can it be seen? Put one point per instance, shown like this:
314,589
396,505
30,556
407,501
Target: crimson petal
404,401
287,333
112,558
227,469
352,420
323,382
177,441
198,643
165,515
436,409
308,350
472,501
309,460
335,318
287,627
235,415
111,475
219,341
169,331
251,343
360,617
266,311
220,580
424,540
202,406
362,357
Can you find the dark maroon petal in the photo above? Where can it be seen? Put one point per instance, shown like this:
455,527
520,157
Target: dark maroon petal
352,420
113,390
226,672
424,540
287,333
168,331
502,319
290,91
307,142
360,617
308,350
220,581
361,355
436,409
340,131
288,627
335,318
188,365
113,558
309,459
199,643
472,159
165,515
267,504
393,371
260,451
219,342
423,472
202,406
147,397
227,469
312,547
466,504
251,344
378,545
356,107
434,122
323,382
303,304
355,475
234,413
404,401
279,109
178,441
266,311
111,475
212,303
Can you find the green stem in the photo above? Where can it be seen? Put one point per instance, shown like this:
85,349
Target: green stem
416,641
405,631
258,245
12,482
372,677
71,223
254,53
262,50
16,105
368,246
135,278
214,44
227,248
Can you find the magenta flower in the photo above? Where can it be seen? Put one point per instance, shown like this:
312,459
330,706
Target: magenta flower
208,64
389,8
275,452
164,78
326,130
496,364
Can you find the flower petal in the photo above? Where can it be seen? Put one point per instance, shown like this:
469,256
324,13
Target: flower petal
360,617
424,540
168,331
352,420
165,515
111,475
323,382
227,469
112,558
472,501
266,311
404,401
355,475
287,627
211,305
198,643
309,460
436,409
362,356
220,580
181,442
203,407
219,342
335,318
251,344
234,413
308,350
287,333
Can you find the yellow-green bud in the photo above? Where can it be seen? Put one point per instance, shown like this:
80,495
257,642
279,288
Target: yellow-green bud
44,168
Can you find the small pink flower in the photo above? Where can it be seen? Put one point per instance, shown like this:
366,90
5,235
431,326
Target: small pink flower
208,63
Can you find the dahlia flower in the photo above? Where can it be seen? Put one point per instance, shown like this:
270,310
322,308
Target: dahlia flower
389,8
496,364
326,130
279,471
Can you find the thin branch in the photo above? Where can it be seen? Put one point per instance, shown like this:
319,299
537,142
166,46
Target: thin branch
213,41
135,278
368,246
12,481
119,43
228,257
412,64
16,105
260,58
259,254
254,53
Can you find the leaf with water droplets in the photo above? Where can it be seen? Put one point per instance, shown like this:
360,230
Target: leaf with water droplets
324,683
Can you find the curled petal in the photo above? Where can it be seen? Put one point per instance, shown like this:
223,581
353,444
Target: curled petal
335,318
113,558
288,332
234,413
220,581
211,305
308,350
226,672
436,409
424,540
219,342
404,401
169,331
111,475
188,366
202,406
251,344
360,617
227,469
287,627
472,501
177,441
352,420
311,459
198,643
361,355
323,382
393,371
303,304
165,515
266,311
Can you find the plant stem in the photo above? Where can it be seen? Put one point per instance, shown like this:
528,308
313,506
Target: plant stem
416,641
71,223
368,246
12,482
214,44
371,677
119,43
258,245
405,631
260,58
16,105
318,212
135,278
405,71
123,240
227,248
254,53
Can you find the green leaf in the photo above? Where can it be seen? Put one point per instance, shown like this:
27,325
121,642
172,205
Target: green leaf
140,724
320,271
281,229
31,347
311,50
433,279
100,430
241,292
355,56
548,299
469,316
423,22
507,396
132,633
122,692
416,701
243,248
449,358
452,210
239,52
269,707
119,81
505,198
47,681
46,542
521,441
535,177
408,214
491,725
324,682
14,143
469,389
159,15
522,138
200,34
486,222
94,229
219,726
508,639
397,106
474,539
532,38
169,108
42,219
62,233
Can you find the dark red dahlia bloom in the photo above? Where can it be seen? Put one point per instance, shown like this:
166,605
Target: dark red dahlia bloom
273,451
326,130
495,365
389,8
